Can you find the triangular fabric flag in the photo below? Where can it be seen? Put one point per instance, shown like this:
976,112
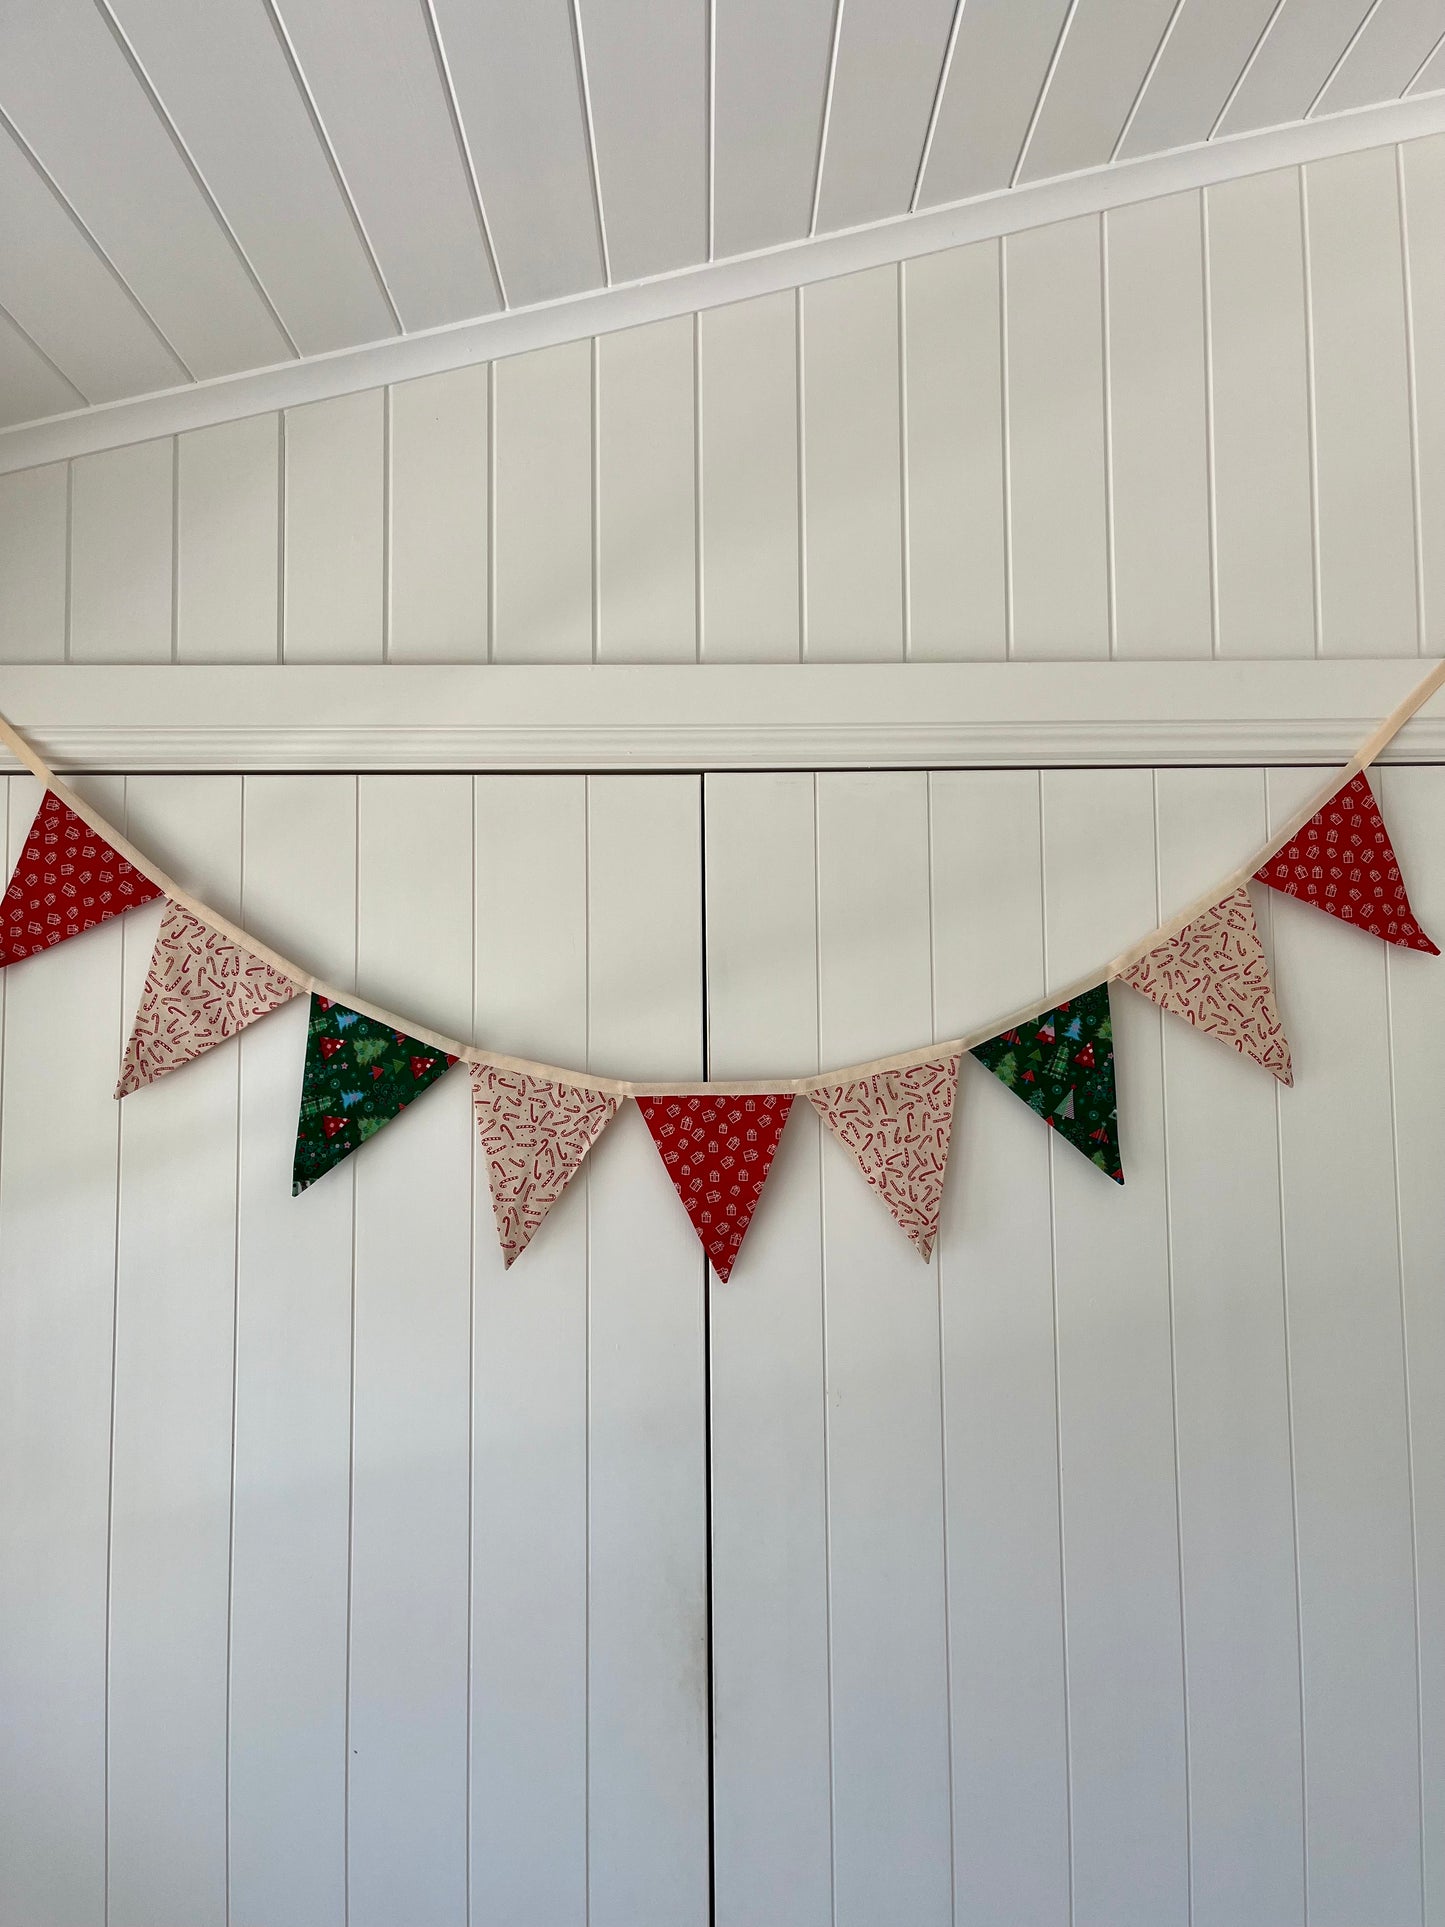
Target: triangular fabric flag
68,880
1215,975
200,989
535,1134
358,1076
1341,861
1062,1065
717,1151
896,1125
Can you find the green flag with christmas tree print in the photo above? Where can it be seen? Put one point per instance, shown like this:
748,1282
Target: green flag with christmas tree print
1062,1065
358,1075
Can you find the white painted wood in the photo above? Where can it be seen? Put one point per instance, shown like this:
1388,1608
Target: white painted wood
645,497
1361,408
887,1615
1007,1701
542,491
228,542
34,514
292,1478
1293,62
1432,73
953,391
1236,1505
30,385
1159,462
647,1645
1395,39
1339,1202
1208,47
1414,804
1117,1439
63,1020
749,551
852,524
170,1493
91,125
771,1654
518,91
770,62
647,92
1260,418
58,287
438,535
530,1366
1103,61
383,102
409,1639
122,555
221,77
1000,62
1054,402
886,71
1422,169
334,536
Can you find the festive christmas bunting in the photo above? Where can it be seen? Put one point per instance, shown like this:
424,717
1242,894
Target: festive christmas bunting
1062,1066
535,1134
358,1075
717,1151
1215,975
200,989
896,1125
1342,862
68,880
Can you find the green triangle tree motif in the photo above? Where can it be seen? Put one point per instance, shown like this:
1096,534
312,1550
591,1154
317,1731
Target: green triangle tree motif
1062,1065
358,1075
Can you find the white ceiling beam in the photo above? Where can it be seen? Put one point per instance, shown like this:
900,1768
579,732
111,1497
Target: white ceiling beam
713,284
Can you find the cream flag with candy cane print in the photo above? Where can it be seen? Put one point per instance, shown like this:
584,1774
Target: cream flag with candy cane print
535,1134
896,1126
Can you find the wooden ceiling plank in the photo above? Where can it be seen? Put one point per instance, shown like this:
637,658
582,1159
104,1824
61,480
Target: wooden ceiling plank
1106,55
1385,56
1298,54
30,383
1207,50
770,78
1000,61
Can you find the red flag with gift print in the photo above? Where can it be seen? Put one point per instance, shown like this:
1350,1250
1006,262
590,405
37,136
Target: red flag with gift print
717,1151
68,880
1341,861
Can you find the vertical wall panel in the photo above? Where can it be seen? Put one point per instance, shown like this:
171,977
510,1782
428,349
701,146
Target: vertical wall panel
1155,271
542,545
407,1728
953,390
1338,1179
171,1450
62,1035
748,423
773,1846
1259,374
646,503
1423,171
1362,407
1058,541
892,1824
228,541
647,1587
529,1402
33,514
291,1521
122,518
1116,1408
852,511
996,1282
1237,1540
333,549
438,530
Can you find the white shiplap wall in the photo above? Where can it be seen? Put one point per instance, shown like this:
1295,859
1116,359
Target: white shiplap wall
1208,424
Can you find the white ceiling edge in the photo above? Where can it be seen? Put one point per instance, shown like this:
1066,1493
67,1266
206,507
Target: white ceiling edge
714,284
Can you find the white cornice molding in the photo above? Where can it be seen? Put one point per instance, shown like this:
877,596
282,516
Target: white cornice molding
714,284
711,717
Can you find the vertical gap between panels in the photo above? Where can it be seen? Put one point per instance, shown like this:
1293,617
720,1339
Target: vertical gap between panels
1412,397
822,1137
386,506
905,599
235,1358
110,1458
490,638
471,1363
1211,485
1004,440
69,554
697,531
351,1378
1111,597
594,414
280,535
1311,412
587,1371
799,377
175,548
706,1030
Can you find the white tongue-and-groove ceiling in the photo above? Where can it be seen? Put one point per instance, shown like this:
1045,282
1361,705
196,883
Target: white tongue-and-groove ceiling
194,189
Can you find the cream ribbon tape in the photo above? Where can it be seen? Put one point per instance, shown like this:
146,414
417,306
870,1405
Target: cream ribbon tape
627,1087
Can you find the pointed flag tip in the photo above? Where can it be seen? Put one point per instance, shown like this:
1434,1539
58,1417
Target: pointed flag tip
718,1152
1342,862
535,1134
1061,1064
896,1126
